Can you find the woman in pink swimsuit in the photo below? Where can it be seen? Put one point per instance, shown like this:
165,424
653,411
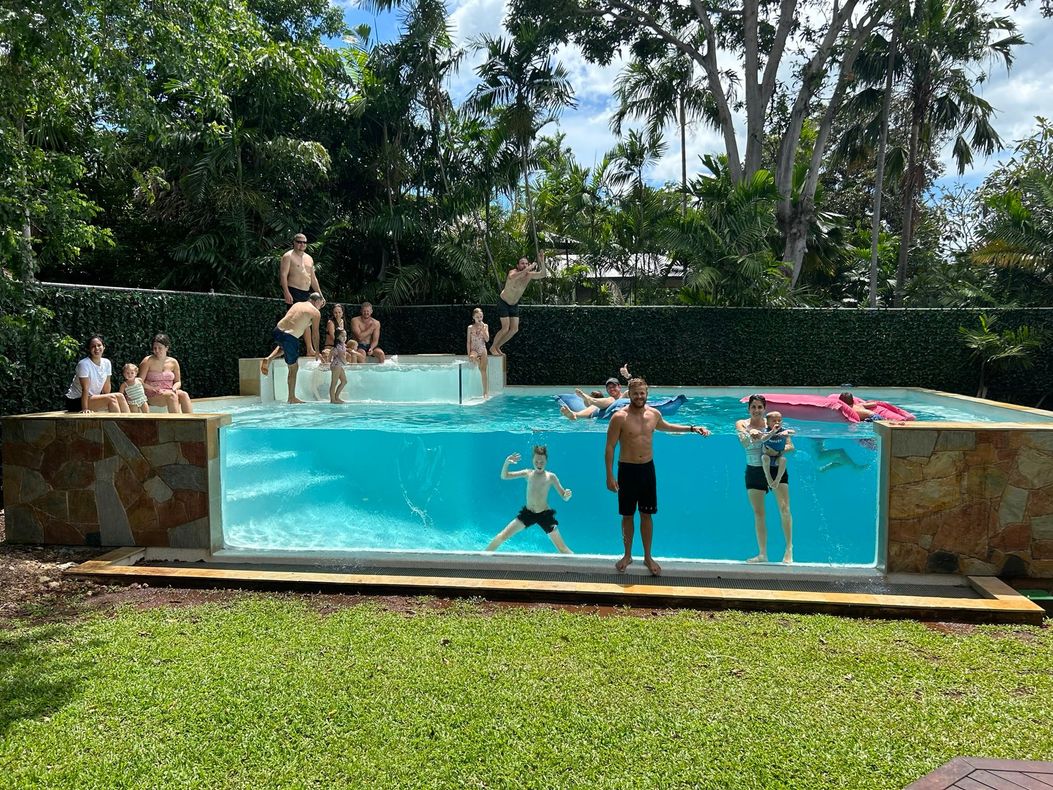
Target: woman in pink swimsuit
162,379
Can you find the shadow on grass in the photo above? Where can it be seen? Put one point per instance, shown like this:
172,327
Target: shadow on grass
40,671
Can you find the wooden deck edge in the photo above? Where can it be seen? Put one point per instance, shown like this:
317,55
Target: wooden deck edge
1005,608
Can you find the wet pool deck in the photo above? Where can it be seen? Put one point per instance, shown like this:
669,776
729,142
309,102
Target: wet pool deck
970,599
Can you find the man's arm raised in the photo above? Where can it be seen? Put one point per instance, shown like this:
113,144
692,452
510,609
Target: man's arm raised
541,270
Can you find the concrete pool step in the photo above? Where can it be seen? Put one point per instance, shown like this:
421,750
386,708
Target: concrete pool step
971,599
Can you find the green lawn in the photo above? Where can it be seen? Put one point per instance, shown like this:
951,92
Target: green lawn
267,692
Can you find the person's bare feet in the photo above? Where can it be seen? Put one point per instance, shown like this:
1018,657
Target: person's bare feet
623,563
758,558
564,409
788,556
337,400
265,365
496,352
652,566
294,399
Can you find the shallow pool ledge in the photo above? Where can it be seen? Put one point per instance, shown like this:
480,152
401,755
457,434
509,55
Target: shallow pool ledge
969,498
113,479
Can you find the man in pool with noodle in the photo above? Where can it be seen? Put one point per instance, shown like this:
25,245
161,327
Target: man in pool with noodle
633,428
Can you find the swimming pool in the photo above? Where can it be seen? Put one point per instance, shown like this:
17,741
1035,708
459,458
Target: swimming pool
375,477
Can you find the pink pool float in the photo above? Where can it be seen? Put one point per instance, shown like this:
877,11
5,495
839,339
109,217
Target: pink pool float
828,408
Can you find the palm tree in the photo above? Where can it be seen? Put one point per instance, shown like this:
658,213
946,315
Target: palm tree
525,90
934,60
664,91
1002,351
942,40
640,205
1019,233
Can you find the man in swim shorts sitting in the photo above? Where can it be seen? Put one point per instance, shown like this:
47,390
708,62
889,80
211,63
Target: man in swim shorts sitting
366,331
508,302
536,510
301,317
633,428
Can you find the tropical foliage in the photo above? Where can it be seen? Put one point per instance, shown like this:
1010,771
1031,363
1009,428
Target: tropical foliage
181,145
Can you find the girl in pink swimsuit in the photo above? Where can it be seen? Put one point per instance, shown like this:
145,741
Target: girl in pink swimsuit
162,378
478,334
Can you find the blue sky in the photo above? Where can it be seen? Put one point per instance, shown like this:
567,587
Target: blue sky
1018,97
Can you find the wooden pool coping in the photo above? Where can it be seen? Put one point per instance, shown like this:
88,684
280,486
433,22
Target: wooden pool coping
999,603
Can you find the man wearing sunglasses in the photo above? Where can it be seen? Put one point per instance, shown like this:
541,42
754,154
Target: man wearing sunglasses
296,274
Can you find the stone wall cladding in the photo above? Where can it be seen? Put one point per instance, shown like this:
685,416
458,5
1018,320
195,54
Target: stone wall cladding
104,480
976,501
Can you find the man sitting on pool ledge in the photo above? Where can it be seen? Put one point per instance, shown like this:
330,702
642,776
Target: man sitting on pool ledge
633,427
287,334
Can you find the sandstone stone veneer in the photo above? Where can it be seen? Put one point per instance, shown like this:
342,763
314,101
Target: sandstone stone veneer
969,498
113,480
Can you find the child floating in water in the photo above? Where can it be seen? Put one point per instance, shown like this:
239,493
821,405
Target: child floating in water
132,387
537,510
774,446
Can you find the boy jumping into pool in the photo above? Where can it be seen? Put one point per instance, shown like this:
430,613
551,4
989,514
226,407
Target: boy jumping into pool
536,510
774,446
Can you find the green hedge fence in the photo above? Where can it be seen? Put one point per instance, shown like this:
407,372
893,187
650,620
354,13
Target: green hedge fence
558,345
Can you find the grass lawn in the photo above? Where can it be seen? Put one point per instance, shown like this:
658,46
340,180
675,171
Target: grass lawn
267,691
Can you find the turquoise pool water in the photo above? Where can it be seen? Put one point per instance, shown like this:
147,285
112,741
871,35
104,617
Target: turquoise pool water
382,477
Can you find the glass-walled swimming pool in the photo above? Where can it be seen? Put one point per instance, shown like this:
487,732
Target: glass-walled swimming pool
380,477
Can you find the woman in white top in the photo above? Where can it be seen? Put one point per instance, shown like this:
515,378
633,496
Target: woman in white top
90,390
752,433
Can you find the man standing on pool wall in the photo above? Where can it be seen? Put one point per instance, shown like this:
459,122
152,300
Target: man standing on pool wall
508,303
296,272
302,319
633,427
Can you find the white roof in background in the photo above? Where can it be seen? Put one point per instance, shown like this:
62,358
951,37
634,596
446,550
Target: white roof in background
650,265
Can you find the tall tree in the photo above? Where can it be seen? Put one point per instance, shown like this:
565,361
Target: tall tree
761,34
662,91
943,42
525,90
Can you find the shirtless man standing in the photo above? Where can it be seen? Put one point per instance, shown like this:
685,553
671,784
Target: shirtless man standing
508,305
366,330
634,428
294,325
297,277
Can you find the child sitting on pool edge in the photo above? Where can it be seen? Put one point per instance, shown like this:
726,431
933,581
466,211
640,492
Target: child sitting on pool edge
536,510
132,387
774,446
